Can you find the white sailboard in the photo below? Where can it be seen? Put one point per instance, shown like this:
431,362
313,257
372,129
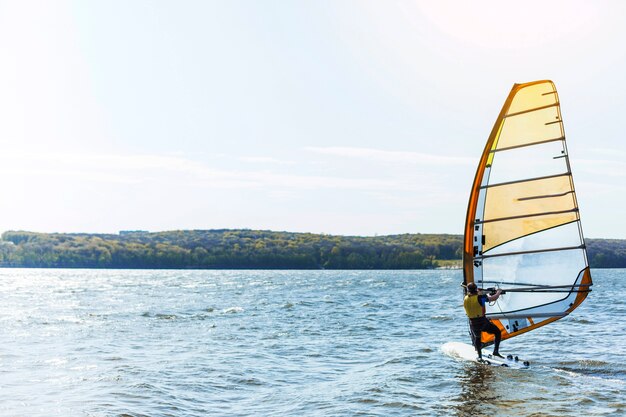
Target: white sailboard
463,351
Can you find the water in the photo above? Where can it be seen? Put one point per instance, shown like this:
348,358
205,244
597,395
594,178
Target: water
289,343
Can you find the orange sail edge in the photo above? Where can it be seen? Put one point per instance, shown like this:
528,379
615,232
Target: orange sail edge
586,282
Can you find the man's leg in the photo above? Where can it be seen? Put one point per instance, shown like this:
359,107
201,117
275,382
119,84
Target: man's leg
476,339
493,329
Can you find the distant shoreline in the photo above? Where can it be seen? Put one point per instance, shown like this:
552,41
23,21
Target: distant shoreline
243,249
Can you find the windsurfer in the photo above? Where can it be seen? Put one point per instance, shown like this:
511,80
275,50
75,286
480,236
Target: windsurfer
474,304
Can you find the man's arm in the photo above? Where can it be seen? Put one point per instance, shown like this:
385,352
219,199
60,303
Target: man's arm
495,296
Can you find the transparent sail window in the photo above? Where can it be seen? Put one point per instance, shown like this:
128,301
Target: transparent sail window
541,269
564,236
528,162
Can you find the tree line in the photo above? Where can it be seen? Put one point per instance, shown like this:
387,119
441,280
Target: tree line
250,249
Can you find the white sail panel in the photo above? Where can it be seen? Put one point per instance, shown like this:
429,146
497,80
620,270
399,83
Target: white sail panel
566,236
558,270
547,159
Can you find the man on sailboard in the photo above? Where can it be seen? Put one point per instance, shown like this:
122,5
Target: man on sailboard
474,304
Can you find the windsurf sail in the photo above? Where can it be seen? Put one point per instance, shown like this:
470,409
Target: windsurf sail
523,232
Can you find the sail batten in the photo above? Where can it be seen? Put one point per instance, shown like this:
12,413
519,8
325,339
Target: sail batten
532,110
523,216
532,287
565,174
559,314
529,144
545,196
530,251
523,222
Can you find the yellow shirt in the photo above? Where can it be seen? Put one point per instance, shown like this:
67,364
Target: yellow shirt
473,307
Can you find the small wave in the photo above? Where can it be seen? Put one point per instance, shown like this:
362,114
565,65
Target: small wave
367,400
56,361
586,363
397,404
233,310
441,318
593,368
581,320
144,386
96,315
249,381
166,316
160,316
598,376
404,360
374,305
393,361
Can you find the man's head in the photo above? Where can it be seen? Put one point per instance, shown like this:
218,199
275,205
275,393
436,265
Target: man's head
472,288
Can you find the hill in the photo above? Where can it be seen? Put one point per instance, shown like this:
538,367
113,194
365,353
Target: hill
251,249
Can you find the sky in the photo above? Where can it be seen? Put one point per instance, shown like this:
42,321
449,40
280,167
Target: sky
341,117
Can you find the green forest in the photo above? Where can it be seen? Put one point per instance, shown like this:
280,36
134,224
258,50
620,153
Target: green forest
251,249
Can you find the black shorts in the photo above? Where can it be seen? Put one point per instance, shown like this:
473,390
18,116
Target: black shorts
482,324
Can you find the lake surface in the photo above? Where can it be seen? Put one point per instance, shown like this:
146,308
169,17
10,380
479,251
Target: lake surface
289,343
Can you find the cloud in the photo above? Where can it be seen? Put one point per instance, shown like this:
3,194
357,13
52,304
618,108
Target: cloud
132,169
97,167
265,160
392,156
606,152
601,167
588,189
